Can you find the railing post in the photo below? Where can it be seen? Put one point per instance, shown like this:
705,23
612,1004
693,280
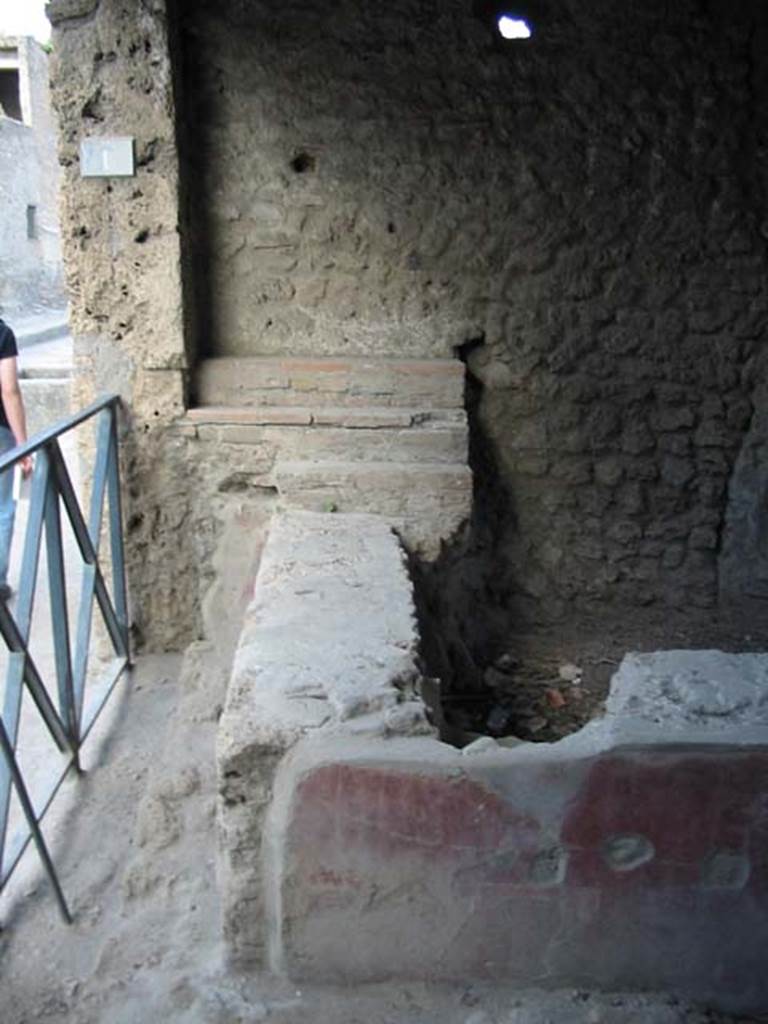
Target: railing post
116,534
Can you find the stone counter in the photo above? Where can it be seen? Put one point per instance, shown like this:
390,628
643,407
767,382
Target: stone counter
356,847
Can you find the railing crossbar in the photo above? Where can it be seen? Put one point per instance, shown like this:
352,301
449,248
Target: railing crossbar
59,614
32,820
116,536
89,542
102,690
44,438
41,481
17,645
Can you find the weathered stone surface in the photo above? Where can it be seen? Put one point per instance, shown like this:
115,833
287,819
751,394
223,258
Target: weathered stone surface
227,415
60,10
302,435
629,855
401,455
376,418
329,637
335,381
111,75
348,189
706,694
426,502
639,869
616,290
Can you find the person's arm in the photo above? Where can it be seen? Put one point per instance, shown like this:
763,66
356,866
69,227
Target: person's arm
13,404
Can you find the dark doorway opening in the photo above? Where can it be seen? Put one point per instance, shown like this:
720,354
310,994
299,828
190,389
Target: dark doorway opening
10,96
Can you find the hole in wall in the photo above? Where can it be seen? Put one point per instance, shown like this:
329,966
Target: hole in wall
10,94
302,163
91,109
32,231
243,483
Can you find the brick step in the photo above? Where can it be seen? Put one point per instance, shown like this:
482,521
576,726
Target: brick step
353,418
426,503
350,382
437,442
385,488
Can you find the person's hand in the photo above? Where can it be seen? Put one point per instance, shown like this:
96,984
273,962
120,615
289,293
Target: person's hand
26,466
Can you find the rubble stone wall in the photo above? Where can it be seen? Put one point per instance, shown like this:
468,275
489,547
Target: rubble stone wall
590,204
588,207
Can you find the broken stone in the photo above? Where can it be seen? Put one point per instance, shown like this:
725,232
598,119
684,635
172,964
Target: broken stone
570,673
555,698
408,719
499,719
506,663
509,741
480,746
61,10
496,679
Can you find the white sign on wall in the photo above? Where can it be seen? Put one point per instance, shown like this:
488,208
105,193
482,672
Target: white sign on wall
107,157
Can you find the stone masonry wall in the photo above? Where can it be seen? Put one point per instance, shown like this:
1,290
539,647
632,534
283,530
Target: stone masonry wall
190,529
358,178
111,75
590,205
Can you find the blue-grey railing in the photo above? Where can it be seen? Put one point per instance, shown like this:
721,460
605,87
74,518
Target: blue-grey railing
61,704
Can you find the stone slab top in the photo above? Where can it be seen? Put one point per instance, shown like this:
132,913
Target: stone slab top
664,700
329,647
330,635
704,692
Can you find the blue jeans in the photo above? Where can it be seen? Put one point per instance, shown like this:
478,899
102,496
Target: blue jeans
7,505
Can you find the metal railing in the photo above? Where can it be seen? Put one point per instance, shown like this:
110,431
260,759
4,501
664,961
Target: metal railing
61,705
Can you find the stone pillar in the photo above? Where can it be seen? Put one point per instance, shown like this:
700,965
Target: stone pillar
112,76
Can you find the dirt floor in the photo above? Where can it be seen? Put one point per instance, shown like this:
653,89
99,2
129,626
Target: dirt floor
549,682
134,842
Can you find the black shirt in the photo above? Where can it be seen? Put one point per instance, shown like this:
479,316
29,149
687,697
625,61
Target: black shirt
7,350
